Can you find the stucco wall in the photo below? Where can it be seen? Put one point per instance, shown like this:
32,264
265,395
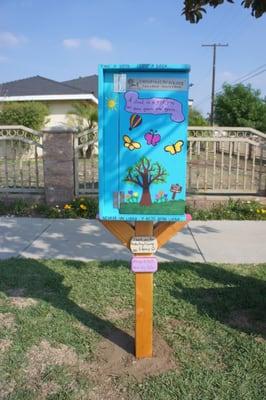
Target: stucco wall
58,113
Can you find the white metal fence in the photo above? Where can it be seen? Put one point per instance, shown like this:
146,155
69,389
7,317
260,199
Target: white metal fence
221,160
21,160
226,160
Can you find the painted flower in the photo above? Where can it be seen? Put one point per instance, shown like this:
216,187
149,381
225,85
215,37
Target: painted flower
127,196
83,207
165,195
161,193
130,192
135,194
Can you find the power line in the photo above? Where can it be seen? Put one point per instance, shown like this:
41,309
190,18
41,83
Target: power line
253,76
214,46
247,75
242,79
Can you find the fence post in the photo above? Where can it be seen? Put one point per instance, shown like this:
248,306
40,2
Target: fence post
58,158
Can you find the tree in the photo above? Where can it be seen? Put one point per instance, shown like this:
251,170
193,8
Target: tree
195,118
143,174
193,9
240,105
84,115
31,114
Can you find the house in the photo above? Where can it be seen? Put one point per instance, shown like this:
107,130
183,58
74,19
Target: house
88,83
59,96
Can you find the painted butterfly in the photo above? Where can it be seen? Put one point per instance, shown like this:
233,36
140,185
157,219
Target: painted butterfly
129,144
175,147
152,138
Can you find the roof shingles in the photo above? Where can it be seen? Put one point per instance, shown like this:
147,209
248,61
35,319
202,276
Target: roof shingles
37,85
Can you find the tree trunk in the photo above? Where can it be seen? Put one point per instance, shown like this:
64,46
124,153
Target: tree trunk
146,197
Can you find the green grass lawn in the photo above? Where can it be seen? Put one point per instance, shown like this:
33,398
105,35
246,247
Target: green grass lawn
169,207
57,318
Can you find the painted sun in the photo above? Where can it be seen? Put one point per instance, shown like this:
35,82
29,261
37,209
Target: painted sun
112,104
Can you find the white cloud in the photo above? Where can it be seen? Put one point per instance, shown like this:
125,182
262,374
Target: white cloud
227,76
9,39
3,59
151,20
94,42
71,43
100,44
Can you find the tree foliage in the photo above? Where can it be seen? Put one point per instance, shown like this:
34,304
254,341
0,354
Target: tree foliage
85,115
240,105
194,9
30,114
195,118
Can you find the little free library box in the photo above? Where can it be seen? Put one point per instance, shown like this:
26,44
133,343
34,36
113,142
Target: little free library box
143,116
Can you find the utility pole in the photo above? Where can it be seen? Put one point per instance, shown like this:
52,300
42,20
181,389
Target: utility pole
214,46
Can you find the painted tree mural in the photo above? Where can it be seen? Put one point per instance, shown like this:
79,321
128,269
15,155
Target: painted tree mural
144,173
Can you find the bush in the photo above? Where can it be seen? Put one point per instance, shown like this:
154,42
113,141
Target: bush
30,114
83,207
195,118
232,210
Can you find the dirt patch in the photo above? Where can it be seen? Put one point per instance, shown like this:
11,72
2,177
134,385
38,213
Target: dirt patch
42,356
114,314
174,323
5,344
107,391
82,327
7,321
260,339
18,299
6,388
48,389
115,358
244,319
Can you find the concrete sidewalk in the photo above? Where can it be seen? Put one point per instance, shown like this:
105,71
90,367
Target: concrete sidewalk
86,240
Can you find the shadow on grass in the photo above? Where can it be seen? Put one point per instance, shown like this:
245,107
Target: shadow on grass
41,282
235,300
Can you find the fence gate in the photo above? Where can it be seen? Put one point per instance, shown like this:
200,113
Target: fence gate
86,162
21,160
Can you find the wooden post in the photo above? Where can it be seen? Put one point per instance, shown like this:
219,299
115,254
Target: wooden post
143,301
124,232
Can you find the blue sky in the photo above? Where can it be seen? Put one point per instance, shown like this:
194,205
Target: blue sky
64,39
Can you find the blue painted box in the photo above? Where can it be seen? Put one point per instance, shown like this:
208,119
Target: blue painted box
143,114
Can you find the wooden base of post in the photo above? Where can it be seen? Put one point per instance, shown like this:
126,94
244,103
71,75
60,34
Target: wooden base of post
124,231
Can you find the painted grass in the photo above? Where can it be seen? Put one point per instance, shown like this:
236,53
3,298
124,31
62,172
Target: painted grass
176,207
212,316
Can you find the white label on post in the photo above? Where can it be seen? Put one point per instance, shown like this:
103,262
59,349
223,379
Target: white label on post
143,244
